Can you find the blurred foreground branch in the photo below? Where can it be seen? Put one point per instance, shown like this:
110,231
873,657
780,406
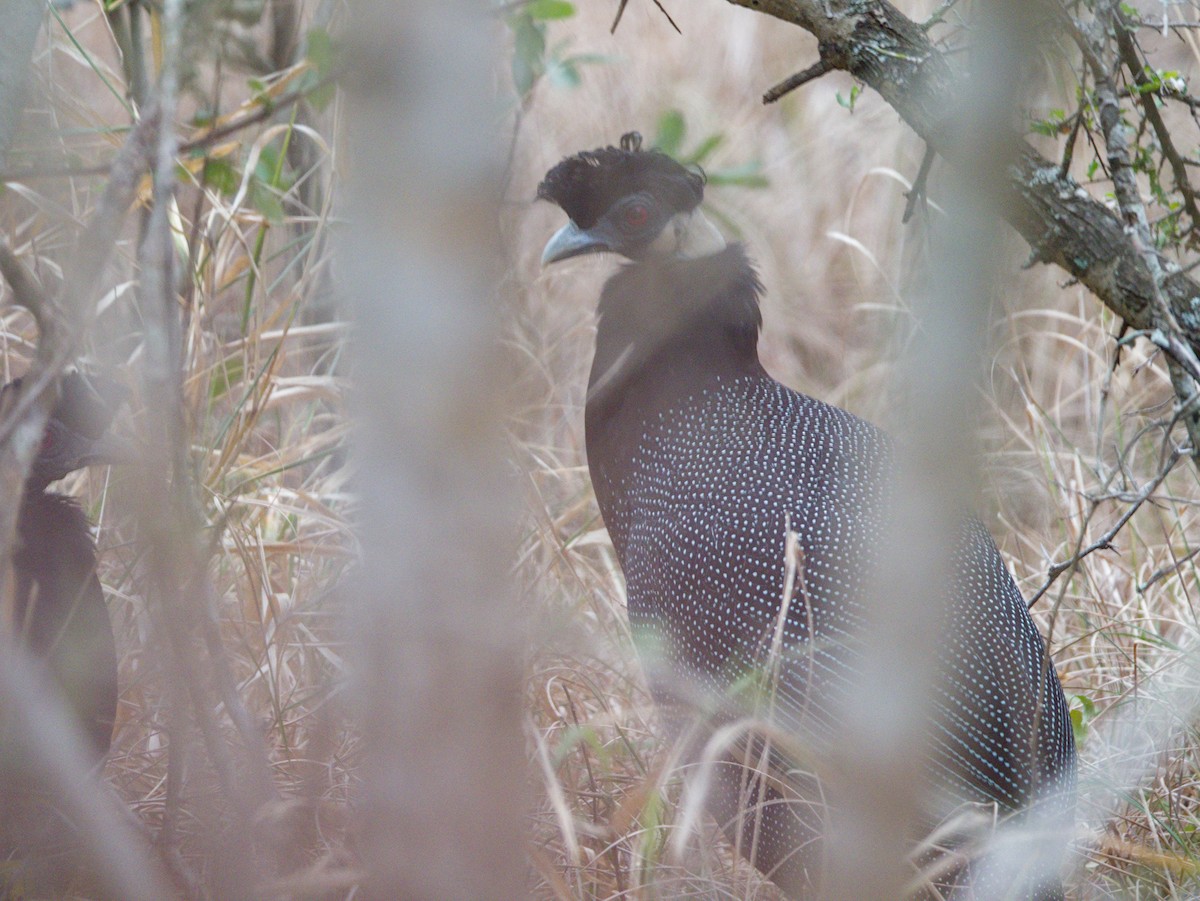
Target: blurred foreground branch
43,743
886,737
439,662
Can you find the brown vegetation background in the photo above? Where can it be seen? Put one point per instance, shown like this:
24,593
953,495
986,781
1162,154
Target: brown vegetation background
1066,423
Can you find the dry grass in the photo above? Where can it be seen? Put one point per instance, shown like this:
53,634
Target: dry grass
264,405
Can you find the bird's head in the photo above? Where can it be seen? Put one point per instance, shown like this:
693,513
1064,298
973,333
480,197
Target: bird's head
77,433
638,203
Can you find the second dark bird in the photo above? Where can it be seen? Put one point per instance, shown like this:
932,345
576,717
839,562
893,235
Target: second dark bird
58,609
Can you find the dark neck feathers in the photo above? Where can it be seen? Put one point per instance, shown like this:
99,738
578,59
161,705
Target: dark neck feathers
662,320
666,330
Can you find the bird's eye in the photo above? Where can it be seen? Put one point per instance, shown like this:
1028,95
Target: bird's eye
49,440
635,216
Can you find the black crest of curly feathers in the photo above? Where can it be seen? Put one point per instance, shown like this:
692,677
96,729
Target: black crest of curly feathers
588,184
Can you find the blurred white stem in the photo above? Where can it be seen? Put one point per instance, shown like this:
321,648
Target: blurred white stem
22,21
43,733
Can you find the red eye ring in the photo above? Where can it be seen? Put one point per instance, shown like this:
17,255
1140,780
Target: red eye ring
636,215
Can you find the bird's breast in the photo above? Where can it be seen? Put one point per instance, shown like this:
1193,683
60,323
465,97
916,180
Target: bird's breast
700,513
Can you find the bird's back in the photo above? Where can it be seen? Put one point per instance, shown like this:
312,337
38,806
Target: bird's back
699,513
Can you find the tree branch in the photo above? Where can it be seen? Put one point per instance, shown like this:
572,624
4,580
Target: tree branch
1063,224
1133,62
789,84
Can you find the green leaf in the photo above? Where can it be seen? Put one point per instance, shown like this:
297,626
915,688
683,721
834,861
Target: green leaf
671,129
563,73
271,171
1054,124
590,59
225,375
748,175
848,102
706,148
529,51
1082,712
550,9
203,118
322,96
266,201
318,49
222,176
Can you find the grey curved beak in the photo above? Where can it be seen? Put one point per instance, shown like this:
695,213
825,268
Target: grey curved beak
571,241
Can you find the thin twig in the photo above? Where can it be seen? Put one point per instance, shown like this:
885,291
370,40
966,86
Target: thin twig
789,84
201,141
1068,153
1105,541
1165,571
1129,56
621,11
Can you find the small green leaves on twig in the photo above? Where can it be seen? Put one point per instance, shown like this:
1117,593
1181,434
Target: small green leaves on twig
670,131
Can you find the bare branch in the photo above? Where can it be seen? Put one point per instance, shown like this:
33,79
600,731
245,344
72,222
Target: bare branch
1063,223
1104,542
789,84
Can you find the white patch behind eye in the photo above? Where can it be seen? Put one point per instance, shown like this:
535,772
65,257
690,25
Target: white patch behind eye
687,236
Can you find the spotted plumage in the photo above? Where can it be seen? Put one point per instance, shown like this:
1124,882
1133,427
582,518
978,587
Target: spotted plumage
702,464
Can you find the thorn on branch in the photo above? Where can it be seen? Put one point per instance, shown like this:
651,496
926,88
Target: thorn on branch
939,15
621,11
1038,253
789,84
918,193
